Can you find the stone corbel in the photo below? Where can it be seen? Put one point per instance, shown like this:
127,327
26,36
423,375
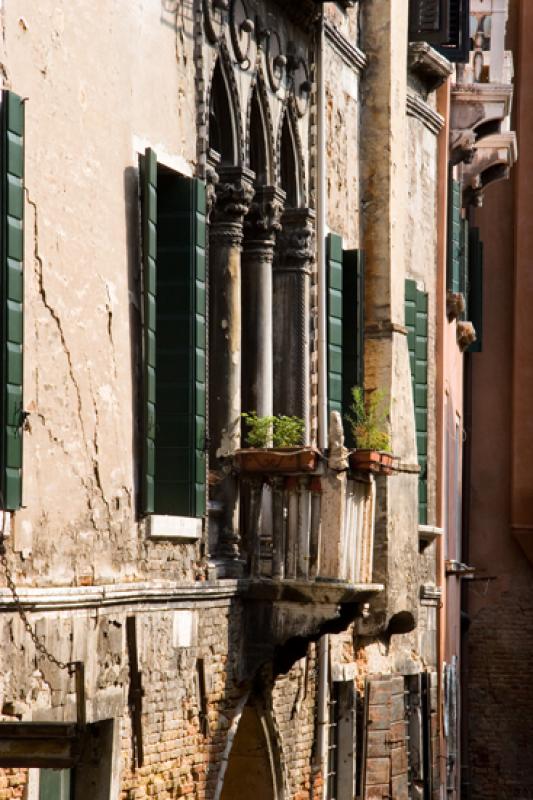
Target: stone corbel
494,156
429,65
462,146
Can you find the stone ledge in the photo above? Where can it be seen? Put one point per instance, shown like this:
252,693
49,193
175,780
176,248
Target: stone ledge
428,64
318,591
152,592
420,110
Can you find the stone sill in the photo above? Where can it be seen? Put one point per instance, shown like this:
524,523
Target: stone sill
181,529
428,533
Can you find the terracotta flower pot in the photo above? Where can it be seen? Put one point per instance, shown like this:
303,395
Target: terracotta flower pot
279,460
375,461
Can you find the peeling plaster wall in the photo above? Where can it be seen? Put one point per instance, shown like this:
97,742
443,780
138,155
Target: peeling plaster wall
87,119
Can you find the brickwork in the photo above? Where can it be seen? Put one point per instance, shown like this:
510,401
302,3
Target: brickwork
500,697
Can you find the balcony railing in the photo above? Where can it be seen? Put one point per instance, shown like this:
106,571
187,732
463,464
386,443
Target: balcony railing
313,527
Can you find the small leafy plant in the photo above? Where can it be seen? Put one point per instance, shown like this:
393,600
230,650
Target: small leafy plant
368,419
278,431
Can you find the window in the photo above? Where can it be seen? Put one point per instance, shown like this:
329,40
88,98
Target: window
345,323
12,288
174,342
445,24
56,784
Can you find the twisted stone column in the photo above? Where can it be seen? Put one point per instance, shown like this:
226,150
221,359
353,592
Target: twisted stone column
260,228
291,316
234,193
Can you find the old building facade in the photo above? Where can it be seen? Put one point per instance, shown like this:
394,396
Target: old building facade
210,208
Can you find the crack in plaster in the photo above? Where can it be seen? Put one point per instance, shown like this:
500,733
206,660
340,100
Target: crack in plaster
93,459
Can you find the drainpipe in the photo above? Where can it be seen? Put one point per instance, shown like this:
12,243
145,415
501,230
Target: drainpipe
321,239
323,677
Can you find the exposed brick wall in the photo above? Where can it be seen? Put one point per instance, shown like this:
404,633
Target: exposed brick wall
500,698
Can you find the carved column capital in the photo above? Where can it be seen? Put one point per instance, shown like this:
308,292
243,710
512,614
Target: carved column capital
263,221
296,240
234,195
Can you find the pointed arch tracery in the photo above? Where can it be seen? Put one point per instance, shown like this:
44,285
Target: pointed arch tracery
291,170
260,145
224,126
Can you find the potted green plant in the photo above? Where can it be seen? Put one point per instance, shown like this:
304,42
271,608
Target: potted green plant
275,445
368,419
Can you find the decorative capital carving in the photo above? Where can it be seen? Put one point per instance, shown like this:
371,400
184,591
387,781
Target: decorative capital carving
296,239
264,218
234,194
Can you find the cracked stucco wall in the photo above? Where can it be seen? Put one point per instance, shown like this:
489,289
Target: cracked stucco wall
95,96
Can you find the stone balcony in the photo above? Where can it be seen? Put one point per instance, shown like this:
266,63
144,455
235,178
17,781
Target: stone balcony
307,539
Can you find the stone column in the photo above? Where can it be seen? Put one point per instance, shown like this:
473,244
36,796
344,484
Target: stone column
260,228
291,315
234,193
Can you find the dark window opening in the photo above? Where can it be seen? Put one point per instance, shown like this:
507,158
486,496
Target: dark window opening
220,119
258,154
289,165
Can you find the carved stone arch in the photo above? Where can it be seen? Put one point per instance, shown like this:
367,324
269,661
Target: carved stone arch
288,126
258,88
224,65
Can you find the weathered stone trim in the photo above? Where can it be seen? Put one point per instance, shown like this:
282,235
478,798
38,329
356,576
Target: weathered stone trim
411,469
430,595
418,108
428,64
350,54
117,594
185,529
384,329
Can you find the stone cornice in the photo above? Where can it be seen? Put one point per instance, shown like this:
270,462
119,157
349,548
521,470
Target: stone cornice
429,65
350,54
152,593
418,108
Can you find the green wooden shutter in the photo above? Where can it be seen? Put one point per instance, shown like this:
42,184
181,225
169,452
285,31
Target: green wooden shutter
12,297
428,21
454,237
475,289
463,265
200,344
457,46
149,229
353,328
181,347
416,321
335,328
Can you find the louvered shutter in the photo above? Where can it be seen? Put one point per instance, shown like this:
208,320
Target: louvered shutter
457,47
335,327
416,321
475,291
464,279
428,21
12,297
454,237
149,253
181,343
353,312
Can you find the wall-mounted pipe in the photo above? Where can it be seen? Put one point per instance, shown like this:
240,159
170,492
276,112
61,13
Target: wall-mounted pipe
321,203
